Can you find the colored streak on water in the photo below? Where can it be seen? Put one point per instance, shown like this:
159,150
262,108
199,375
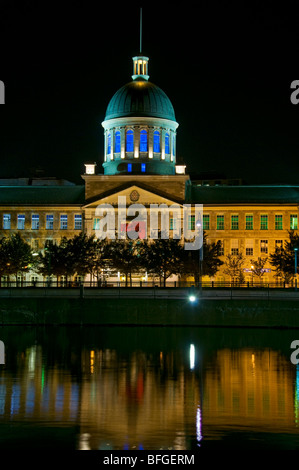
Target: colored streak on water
115,388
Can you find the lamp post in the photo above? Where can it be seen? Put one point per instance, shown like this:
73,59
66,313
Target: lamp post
295,251
252,267
200,254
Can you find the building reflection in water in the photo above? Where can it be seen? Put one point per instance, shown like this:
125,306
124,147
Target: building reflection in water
165,400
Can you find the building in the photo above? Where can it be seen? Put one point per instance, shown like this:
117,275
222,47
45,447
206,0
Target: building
140,164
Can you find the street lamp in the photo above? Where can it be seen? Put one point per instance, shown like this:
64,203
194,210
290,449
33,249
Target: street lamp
200,253
295,251
252,267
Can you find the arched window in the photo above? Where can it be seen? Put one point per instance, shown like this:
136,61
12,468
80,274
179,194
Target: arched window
130,141
157,147
167,144
173,145
143,141
117,142
109,144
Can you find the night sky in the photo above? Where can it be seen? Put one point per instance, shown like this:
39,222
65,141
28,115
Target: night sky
226,69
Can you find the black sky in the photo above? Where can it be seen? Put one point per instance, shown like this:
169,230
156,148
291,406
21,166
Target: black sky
227,70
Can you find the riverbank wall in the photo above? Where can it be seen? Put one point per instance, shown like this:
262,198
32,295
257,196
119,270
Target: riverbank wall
163,309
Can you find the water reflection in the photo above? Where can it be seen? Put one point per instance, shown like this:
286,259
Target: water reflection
147,388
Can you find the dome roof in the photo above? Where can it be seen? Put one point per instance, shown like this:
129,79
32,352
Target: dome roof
140,98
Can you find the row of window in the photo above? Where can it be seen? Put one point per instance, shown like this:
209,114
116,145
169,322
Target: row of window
143,142
263,247
293,225
35,222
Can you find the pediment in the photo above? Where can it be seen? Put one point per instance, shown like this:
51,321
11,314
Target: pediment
134,194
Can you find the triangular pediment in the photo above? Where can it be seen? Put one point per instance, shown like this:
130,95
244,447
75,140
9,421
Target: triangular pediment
133,194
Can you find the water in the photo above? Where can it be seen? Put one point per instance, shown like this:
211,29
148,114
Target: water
148,388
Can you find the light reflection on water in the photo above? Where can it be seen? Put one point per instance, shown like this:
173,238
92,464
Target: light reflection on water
148,388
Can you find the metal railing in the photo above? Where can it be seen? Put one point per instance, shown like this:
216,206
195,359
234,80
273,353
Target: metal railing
206,285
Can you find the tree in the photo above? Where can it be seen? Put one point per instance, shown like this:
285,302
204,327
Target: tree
258,267
162,257
210,260
234,268
123,256
283,258
18,255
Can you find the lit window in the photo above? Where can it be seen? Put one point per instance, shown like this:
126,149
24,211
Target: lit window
117,142
220,222
294,222
49,221
172,224
157,148
167,151
130,141
278,244
249,222
6,221
63,222
21,222
264,246
221,251
278,222
96,224
206,222
143,141
129,167
109,144
78,222
264,222
235,222
143,167
191,222
35,221
173,145
234,247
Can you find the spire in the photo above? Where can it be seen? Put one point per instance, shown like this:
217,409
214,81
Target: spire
140,62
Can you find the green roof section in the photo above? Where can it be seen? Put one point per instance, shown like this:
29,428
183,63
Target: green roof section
242,194
140,98
45,195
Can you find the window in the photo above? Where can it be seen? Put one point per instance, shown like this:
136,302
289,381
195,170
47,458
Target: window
294,222
167,151
78,222
63,222
129,168
278,244
173,145
49,221
234,247
96,224
278,222
143,167
221,251
21,222
264,246
264,222
235,222
249,247
109,144
130,141
143,141
35,221
157,148
172,224
206,222
191,222
6,221
249,222
220,222
117,142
